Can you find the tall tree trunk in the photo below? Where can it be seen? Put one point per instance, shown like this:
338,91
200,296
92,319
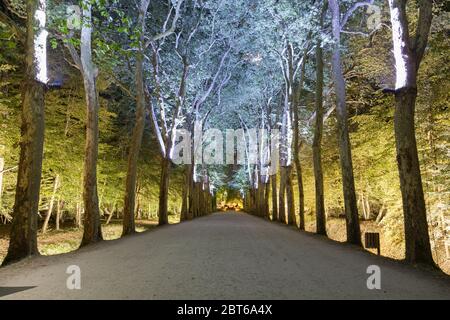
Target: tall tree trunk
262,197
185,194
266,200
190,181
184,204
317,144
281,196
163,217
408,54
50,205
214,202
92,228
190,191
284,158
417,238
273,181
196,199
23,236
291,219
301,193
246,195
193,199
138,211
138,131
348,181
259,199
201,201
296,98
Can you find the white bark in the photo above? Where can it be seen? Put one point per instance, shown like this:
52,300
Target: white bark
40,43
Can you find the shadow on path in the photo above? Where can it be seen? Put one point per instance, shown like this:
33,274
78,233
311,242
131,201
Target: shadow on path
4,291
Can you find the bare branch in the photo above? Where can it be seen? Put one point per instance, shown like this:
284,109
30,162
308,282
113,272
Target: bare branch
157,130
165,32
352,9
423,29
214,80
9,169
74,54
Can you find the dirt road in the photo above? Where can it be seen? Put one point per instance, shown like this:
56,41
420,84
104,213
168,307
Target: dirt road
222,256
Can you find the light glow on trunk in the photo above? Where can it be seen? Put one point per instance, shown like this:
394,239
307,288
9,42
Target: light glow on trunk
40,43
399,47
290,137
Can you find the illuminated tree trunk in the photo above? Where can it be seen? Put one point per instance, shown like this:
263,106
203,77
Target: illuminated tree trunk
138,131
165,135
348,181
408,54
317,145
23,236
296,153
284,159
92,228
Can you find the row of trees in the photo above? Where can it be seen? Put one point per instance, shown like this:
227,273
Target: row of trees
197,65
323,31
110,33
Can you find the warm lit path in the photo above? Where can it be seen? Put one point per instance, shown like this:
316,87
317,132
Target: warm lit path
229,256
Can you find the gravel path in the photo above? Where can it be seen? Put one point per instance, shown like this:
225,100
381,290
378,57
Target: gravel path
222,256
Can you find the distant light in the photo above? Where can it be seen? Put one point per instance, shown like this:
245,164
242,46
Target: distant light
40,43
